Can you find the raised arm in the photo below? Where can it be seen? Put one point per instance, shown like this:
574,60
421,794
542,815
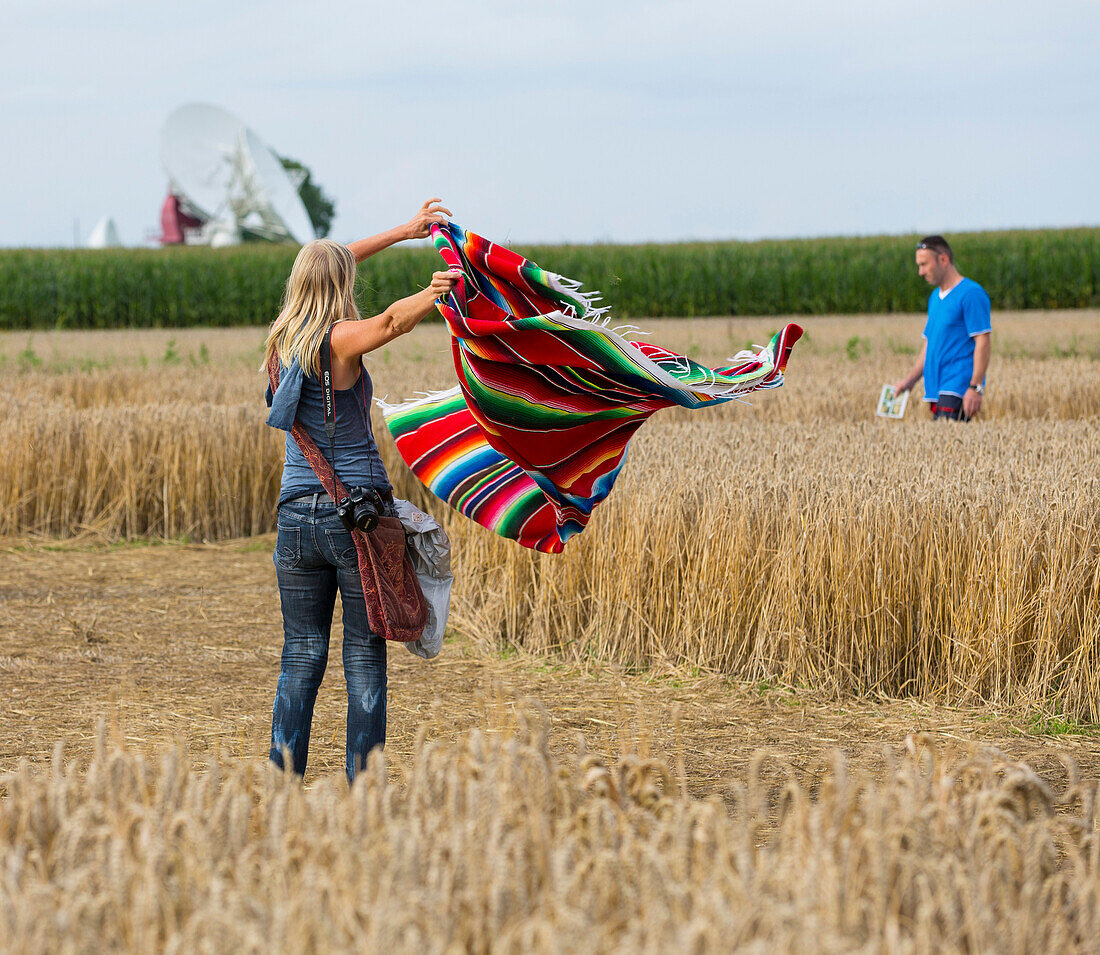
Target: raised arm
352,340
418,227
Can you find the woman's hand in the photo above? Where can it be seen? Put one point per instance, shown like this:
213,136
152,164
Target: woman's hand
431,213
350,340
406,313
442,283
419,226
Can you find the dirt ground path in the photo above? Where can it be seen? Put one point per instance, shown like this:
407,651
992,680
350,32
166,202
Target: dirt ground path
181,643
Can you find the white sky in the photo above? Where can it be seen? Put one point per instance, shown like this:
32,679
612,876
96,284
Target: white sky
572,121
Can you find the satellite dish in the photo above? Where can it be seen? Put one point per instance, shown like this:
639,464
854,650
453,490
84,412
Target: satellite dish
274,191
196,147
225,175
104,235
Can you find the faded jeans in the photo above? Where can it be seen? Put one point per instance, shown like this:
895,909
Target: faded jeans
315,555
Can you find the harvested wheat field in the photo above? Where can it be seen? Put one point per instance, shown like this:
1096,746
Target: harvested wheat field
525,803
809,681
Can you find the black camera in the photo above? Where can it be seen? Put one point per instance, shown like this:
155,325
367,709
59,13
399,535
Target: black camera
360,509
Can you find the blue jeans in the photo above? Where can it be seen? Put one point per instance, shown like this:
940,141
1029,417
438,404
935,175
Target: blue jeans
315,555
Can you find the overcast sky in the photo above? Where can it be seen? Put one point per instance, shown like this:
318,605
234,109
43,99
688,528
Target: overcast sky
572,121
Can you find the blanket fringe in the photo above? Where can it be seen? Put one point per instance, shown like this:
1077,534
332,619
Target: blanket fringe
571,288
424,398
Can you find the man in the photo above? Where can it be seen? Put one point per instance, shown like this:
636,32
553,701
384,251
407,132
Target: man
957,336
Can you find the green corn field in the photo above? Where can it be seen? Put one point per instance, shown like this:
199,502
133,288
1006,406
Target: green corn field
184,287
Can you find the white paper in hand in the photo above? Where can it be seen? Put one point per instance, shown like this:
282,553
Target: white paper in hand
891,405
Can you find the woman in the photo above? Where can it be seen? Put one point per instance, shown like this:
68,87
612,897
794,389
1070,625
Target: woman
314,553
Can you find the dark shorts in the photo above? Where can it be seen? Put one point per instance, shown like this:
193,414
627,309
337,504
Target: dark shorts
948,406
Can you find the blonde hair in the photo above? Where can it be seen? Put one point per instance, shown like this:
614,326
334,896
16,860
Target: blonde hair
319,293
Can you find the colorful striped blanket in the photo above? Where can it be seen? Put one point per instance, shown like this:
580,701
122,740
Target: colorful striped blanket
549,396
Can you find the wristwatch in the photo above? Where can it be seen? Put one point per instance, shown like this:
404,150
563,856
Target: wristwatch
980,389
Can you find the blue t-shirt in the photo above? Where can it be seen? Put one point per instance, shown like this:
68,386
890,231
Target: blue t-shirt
953,322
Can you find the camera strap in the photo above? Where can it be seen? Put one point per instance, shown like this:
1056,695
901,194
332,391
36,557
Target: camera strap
328,394
328,401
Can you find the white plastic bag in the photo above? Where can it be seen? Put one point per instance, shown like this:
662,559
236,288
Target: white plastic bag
430,552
